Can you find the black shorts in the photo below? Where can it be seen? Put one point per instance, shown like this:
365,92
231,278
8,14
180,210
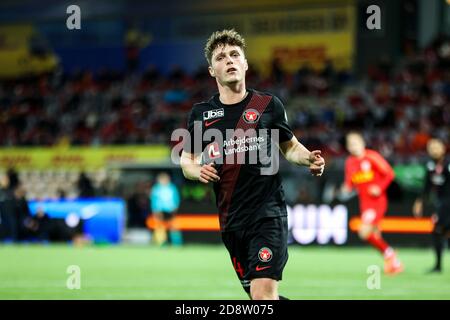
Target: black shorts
167,216
443,223
260,251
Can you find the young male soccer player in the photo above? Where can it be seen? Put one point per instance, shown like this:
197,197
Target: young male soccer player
437,192
251,204
368,172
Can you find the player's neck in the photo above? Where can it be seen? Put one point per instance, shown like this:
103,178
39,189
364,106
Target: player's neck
232,94
440,160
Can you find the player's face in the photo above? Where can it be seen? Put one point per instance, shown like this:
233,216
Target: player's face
436,149
163,179
228,64
355,144
4,180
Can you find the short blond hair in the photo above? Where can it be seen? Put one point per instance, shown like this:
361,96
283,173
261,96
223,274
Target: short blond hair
222,38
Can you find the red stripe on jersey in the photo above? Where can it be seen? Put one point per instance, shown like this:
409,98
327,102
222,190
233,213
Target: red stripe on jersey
230,172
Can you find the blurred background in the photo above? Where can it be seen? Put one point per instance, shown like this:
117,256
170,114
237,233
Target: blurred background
86,115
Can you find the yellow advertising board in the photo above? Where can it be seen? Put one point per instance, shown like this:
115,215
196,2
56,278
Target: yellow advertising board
16,53
309,34
81,157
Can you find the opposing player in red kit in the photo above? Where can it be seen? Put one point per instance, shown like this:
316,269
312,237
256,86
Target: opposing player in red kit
370,174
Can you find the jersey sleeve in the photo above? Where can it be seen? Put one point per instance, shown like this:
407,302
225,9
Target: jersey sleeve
280,121
427,185
193,141
176,196
154,203
384,168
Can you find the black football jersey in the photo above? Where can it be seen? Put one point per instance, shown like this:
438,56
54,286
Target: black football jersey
437,183
241,139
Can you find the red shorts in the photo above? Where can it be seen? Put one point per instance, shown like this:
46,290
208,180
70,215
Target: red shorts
372,211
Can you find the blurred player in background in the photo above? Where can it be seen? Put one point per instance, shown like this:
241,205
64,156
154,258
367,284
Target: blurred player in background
369,173
252,208
436,193
164,201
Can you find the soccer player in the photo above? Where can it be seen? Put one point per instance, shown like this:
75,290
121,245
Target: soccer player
368,173
165,200
250,201
436,192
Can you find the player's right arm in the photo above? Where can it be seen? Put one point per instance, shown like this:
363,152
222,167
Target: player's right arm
193,170
346,191
347,186
191,155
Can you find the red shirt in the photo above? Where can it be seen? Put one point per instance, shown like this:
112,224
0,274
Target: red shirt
370,169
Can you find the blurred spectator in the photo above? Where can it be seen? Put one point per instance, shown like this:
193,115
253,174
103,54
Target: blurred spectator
13,178
24,221
85,186
135,40
44,228
16,219
138,205
41,225
164,201
277,72
8,226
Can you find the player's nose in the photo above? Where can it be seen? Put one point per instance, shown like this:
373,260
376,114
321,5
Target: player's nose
229,60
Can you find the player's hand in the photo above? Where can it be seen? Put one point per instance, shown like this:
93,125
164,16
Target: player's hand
418,209
345,189
316,163
374,190
208,173
344,193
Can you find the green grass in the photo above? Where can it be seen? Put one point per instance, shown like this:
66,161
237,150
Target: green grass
205,272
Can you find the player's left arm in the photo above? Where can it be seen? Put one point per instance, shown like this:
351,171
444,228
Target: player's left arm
385,170
298,154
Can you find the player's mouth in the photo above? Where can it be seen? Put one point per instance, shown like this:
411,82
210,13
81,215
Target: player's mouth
231,70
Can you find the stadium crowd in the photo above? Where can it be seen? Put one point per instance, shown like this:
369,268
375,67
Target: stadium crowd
398,106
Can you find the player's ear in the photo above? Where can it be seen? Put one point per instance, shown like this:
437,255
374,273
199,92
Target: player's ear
246,65
211,71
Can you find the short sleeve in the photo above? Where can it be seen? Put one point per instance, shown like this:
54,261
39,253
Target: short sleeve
194,126
280,120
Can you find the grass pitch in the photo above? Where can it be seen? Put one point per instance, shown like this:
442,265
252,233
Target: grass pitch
205,272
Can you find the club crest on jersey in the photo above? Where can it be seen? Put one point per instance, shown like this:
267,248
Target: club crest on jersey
213,114
251,116
265,254
365,165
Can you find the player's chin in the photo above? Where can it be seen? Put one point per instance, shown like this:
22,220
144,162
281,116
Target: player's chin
233,78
